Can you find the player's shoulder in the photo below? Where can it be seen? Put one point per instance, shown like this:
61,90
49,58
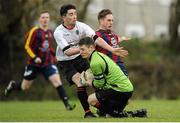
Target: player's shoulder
95,61
96,56
59,29
98,32
33,29
81,24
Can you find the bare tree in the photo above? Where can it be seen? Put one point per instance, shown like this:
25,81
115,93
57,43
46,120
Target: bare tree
174,25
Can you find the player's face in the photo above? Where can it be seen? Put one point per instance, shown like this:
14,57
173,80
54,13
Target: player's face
107,22
44,19
86,51
70,18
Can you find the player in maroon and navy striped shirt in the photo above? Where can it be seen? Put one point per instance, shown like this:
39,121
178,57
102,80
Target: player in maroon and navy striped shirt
39,44
105,19
41,55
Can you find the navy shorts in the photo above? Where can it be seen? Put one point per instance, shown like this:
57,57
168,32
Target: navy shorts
71,67
113,99
32,71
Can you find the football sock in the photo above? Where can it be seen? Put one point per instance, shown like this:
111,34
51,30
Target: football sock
82,95
62,94
16,86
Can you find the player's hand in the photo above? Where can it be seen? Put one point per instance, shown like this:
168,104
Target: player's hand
123,38
83,79
87,77
89,82
37,60
120,52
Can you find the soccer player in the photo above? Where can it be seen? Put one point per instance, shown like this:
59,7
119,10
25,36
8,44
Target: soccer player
67,36
114,89
41,59
105,19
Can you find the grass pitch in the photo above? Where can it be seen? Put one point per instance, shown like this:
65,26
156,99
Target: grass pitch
54,111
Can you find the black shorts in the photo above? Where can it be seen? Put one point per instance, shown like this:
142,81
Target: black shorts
113,99
71,67
32,71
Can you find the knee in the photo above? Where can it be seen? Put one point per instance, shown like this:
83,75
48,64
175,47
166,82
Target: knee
25,87
76,79
91,100
55,80
26,84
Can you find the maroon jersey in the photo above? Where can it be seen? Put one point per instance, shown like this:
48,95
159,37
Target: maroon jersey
112,40
39,44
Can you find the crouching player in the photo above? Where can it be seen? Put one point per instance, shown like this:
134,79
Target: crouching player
114,89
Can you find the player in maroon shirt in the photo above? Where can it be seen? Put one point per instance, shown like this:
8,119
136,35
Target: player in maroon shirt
105,19
41,55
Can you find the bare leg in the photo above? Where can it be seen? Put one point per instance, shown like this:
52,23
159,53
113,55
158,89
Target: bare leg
17,86
26,84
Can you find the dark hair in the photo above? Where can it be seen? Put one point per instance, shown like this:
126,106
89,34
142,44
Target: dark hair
86,41
102,14
65,8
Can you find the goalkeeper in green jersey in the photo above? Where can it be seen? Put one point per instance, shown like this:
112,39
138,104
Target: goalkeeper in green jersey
113,88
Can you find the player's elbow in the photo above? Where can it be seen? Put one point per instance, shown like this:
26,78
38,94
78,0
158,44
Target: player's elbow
67,50
25,47
68,53
71,51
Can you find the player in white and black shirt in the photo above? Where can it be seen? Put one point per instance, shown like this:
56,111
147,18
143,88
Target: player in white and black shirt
67,36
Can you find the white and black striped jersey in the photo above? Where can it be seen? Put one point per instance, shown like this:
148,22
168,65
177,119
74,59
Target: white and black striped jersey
66,38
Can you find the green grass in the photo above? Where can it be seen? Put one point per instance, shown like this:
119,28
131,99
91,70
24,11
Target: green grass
54,111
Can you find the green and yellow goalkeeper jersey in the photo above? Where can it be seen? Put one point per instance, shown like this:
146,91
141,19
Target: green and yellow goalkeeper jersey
107,74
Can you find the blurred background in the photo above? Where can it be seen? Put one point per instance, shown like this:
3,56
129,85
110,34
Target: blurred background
154,48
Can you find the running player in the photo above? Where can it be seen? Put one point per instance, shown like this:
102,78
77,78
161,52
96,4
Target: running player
41,59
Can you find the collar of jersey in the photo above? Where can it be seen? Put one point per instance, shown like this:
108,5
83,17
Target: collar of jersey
67,27
91,55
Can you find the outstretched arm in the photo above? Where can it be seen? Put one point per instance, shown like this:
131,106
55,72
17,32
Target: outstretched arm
117,51
123,38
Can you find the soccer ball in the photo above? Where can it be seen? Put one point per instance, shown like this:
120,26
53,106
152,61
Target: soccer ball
85,76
